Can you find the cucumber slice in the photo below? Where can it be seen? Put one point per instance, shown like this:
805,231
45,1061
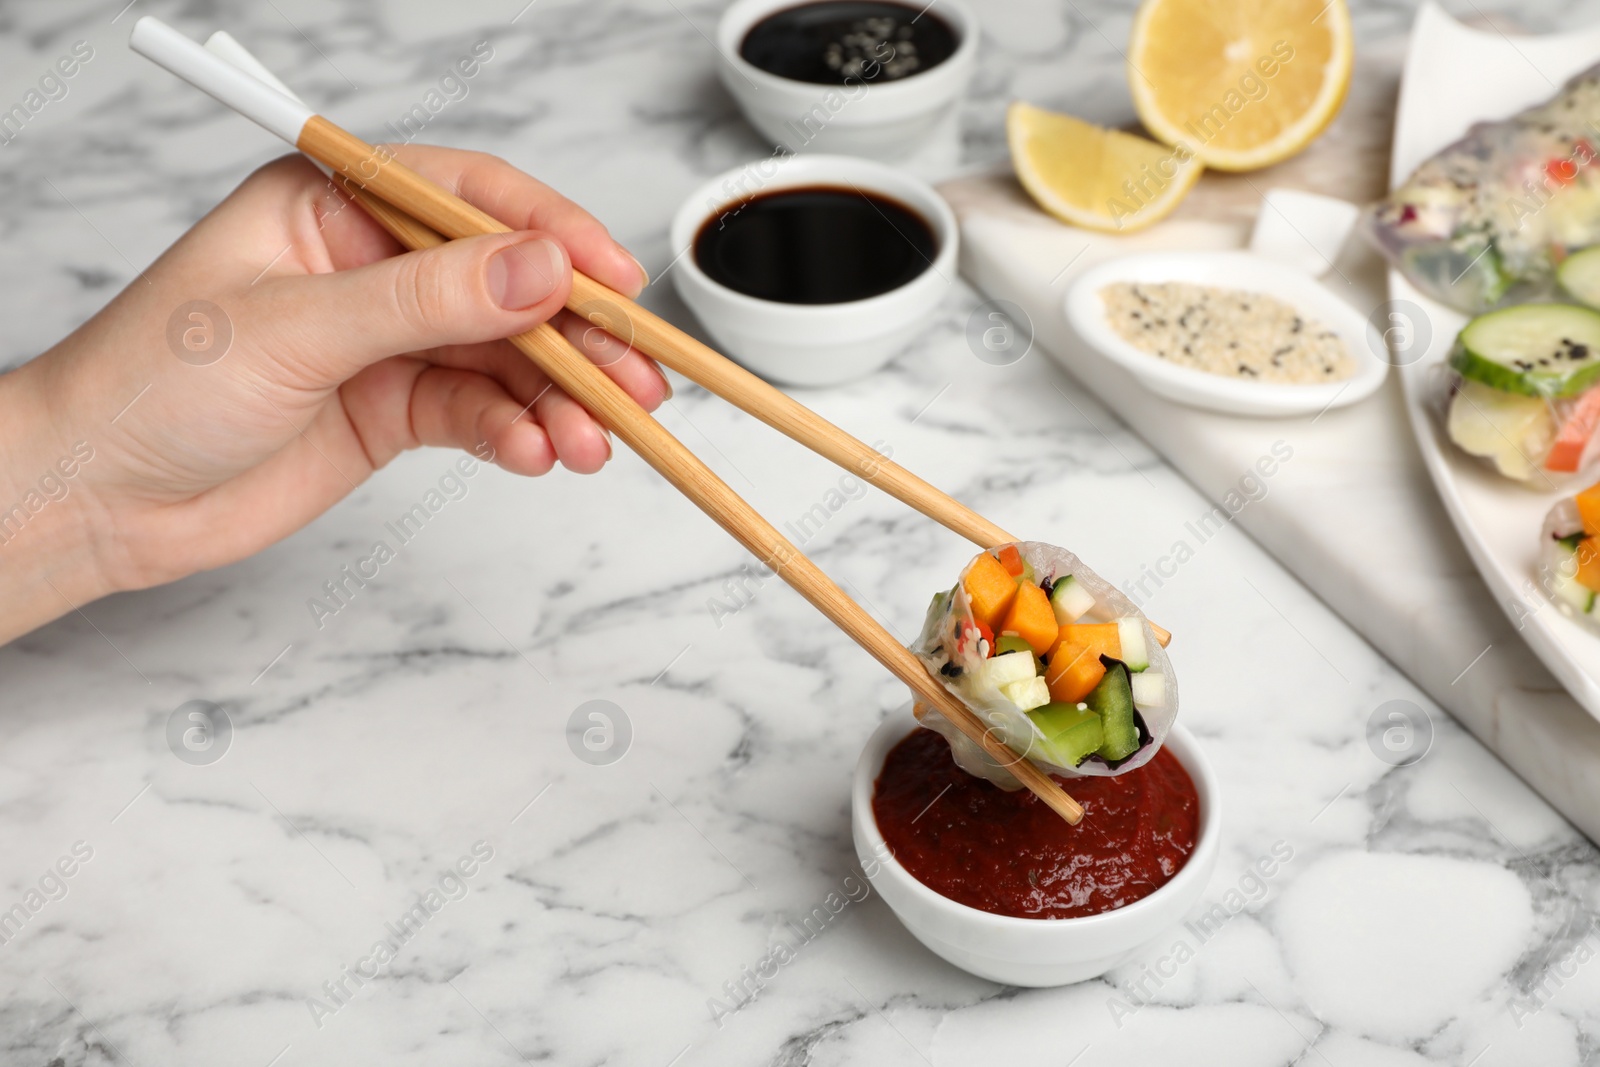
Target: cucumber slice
1072,733
1149,689
1001,671
1532,350
1130,639
1112,700
1070,600
1011,643
1579,274
1027,694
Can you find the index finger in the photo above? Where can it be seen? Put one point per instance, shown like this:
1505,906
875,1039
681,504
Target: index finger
523,202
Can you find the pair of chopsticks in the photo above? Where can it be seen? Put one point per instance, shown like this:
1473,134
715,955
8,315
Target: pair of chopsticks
420,214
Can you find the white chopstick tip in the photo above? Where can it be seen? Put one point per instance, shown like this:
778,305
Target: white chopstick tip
257,101
224,44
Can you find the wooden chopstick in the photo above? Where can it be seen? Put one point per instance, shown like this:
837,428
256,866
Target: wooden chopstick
667,344
438,209
588,384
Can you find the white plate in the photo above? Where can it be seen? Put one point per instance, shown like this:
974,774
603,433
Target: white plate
1444,92
1233,270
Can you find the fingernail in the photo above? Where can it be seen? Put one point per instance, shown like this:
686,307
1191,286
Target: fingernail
523,274
642,272
667,382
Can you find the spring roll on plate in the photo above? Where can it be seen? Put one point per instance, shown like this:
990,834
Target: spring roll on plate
1490,218
1569,556
1058,663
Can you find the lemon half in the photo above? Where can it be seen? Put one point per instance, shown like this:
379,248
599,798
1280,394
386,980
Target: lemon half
1241,83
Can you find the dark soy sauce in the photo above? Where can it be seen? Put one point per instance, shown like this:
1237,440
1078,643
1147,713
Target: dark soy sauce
815,245
846,41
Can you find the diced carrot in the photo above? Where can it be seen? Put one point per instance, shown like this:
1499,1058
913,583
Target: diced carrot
1589,563
1099,637
990,589
1011,560
1589,508
1572,439
1031,618
1073,671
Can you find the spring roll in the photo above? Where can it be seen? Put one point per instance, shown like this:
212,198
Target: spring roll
1488,219
1060,665
1569,556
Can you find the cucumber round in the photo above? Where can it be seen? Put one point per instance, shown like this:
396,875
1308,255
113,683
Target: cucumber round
1548,350
1579,274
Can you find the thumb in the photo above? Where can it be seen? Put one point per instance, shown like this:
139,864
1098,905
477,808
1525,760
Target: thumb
462,292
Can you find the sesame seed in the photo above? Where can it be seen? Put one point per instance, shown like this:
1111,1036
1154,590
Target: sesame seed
1231,332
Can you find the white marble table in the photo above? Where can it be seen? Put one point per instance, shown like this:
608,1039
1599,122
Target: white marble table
1433,912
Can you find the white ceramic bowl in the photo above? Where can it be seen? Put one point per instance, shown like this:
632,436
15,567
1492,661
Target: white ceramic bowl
1032,952
881,120
813,344
1229,270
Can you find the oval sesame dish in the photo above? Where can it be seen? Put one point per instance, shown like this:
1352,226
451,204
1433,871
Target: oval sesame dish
1228,331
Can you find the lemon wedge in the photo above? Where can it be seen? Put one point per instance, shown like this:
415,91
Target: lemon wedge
1093,177
1240,83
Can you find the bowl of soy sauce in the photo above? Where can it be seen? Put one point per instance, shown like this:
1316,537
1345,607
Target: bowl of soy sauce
873,78
814,270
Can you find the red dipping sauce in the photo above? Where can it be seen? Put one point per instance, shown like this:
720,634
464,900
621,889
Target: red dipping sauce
967,839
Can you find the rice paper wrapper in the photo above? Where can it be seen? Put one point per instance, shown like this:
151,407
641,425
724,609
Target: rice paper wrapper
950,615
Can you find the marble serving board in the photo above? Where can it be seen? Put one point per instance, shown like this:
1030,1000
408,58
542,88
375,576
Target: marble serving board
1352,513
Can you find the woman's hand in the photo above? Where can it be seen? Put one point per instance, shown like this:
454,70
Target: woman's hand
273,358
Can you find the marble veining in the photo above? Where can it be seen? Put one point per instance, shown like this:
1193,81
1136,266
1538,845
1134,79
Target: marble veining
630,912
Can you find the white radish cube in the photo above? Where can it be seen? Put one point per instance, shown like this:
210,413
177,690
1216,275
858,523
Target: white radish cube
1029,694
1130,636
1149,689
1000,671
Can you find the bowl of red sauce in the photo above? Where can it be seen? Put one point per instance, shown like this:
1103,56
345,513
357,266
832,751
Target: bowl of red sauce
1000,886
